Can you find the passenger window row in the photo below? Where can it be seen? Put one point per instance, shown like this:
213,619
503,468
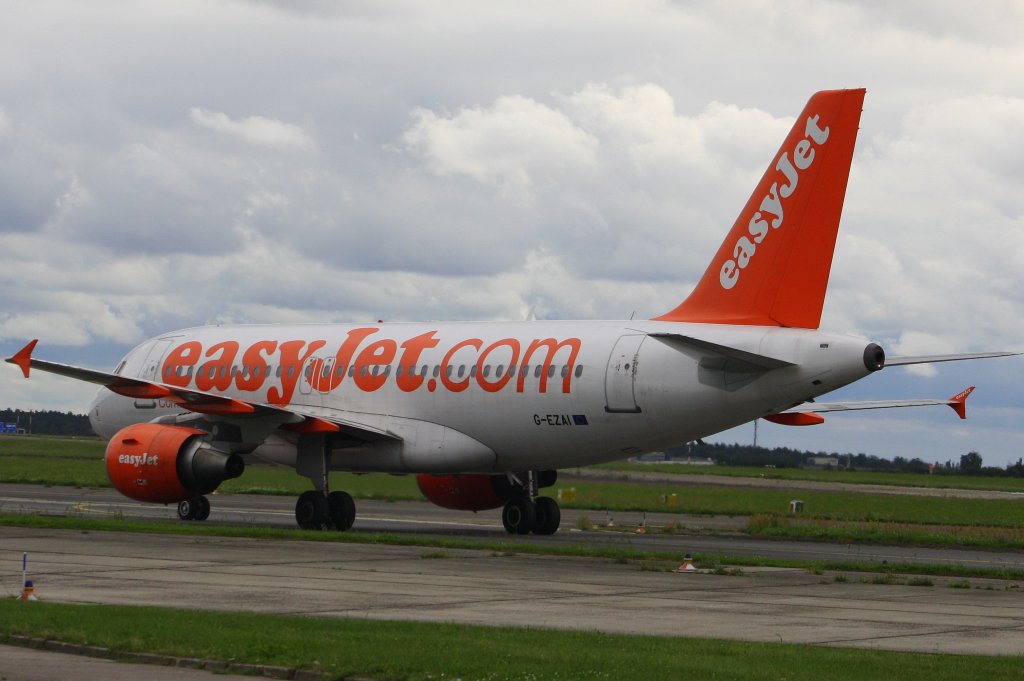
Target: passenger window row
263,370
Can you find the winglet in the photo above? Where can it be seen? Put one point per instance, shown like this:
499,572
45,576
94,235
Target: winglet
24,357
958,402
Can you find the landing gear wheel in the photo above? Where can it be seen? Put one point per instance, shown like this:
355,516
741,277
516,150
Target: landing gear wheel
202,508
547,515
187,509
341,510
196,508
519,516
311,512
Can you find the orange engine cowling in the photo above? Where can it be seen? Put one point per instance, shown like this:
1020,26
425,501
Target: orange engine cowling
167,464
470,492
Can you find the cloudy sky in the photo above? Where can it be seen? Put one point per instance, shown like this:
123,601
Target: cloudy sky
166,164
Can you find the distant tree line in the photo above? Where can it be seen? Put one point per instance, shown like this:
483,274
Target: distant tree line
784,457
47,422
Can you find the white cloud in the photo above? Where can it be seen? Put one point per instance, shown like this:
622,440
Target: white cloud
257,130
60,326
511,144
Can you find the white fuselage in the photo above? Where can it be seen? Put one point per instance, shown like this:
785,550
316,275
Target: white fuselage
492,396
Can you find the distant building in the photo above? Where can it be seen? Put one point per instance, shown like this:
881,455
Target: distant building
823,462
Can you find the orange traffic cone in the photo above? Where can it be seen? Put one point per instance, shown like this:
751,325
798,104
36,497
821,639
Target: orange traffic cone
686,565
29,592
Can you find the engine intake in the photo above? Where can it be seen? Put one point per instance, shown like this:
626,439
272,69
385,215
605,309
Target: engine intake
167,464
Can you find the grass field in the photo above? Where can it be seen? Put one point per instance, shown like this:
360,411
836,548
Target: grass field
794,527
409,650
847,477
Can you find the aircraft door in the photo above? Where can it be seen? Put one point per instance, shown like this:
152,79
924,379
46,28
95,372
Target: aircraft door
621,374
324,377
310,375
314,380
151,369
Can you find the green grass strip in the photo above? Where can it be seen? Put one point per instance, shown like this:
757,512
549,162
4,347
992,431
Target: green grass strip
665,560
879,532
412,650
937,481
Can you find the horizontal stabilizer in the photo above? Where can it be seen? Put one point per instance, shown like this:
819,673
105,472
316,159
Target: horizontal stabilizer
958,403
930,359
754,361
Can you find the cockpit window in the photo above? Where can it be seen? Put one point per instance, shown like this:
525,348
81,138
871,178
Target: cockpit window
120,366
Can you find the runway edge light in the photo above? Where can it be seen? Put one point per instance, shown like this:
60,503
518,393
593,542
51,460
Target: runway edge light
28,590
687,564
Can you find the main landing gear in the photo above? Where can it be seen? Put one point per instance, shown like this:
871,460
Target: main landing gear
320,509
196,508
316,510
526,512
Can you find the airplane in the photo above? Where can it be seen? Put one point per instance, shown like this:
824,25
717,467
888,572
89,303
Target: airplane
485,413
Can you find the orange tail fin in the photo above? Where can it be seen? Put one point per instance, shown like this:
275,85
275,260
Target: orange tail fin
772,269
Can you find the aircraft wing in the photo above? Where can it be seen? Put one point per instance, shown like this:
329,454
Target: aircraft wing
195,400
806,414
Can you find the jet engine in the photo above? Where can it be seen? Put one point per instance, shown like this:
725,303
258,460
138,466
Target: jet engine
466,492
475,492
167,464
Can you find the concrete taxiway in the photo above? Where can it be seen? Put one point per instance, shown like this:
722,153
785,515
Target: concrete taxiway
484,587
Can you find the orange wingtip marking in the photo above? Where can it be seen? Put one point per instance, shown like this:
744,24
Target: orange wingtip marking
140,391
23,358
958,402
795,419
312,425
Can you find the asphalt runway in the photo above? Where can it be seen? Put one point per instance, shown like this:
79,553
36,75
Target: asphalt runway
703,534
